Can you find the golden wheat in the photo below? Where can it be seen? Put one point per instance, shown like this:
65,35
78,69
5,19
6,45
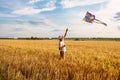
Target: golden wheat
39,60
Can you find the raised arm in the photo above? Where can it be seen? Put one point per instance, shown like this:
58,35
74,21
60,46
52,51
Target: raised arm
66,32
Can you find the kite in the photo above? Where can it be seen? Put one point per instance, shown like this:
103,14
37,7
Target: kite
91,18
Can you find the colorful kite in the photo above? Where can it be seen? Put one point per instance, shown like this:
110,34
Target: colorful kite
91,18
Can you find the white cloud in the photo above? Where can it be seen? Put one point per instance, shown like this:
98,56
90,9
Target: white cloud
75,3
51,3
108,13
31,10
7,15
26,29
34,1
111,9
26,11
8,5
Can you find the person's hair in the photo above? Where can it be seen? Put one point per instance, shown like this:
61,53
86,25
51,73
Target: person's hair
60,38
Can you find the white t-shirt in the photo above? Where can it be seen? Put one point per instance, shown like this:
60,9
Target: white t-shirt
61,43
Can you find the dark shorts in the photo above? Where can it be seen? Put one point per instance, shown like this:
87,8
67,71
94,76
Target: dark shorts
62,53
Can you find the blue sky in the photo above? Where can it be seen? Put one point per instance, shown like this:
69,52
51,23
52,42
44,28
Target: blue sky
49,18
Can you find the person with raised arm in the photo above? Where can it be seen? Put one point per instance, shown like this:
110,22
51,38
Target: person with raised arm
62,46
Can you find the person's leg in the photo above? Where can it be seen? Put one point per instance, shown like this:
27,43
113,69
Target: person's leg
63,54
60,54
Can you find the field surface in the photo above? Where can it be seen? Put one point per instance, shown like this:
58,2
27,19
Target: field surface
40,60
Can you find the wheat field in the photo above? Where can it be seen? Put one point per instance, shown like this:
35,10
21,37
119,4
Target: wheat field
40,60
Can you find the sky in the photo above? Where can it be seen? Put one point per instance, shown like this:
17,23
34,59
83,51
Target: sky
50,18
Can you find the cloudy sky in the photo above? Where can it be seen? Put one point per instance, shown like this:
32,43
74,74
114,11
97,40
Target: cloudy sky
49,18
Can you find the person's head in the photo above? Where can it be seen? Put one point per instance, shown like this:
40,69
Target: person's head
60,38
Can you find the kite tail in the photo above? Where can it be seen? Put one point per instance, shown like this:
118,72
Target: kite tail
98,21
